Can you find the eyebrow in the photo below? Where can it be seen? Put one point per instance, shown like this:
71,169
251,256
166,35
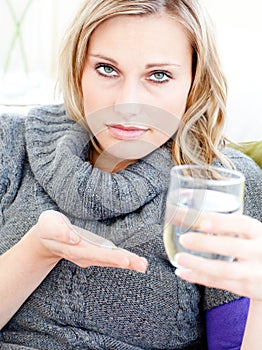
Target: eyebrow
149,65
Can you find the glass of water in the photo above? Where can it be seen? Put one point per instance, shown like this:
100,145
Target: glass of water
195,189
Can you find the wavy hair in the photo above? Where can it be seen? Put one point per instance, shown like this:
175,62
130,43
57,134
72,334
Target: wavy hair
199,138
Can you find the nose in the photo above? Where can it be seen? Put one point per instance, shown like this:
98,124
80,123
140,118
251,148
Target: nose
128,100
128,110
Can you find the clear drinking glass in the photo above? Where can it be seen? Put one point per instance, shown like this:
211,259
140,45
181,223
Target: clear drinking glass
196,189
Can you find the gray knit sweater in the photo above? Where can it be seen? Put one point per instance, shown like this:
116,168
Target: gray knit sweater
42,166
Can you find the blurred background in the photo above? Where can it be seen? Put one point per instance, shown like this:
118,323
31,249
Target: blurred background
31,32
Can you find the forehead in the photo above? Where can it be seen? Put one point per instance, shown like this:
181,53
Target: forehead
140,34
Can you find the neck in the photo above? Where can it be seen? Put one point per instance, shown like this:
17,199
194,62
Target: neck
107,162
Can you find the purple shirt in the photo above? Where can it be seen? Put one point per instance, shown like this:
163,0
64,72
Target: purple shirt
225,325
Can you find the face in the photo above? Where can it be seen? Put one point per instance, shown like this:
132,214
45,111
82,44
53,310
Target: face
135,83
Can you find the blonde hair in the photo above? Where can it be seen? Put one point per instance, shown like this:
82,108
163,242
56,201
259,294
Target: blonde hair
199,137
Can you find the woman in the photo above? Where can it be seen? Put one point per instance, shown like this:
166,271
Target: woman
143,90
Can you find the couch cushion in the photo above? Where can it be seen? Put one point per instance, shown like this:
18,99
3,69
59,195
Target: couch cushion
253,149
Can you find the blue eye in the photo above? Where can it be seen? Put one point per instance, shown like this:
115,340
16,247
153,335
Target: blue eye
106,70
159,77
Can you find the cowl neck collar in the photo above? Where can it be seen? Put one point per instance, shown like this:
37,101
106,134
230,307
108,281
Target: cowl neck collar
56,149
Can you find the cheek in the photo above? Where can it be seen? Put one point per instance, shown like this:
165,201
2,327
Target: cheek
95,100
177,104
85,92
165,121
90,99
171,116
94,97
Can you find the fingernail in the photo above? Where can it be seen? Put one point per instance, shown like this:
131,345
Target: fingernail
182,272
176,258
143,264
73,237
185,238
178,272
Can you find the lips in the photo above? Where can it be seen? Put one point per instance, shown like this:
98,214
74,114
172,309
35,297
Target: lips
126,132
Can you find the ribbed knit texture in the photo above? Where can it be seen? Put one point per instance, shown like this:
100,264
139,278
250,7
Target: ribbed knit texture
42,167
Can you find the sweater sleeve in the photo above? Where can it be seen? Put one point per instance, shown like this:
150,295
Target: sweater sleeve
12,155
225,325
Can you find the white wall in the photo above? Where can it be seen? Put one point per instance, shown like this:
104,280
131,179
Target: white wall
239,33
41,32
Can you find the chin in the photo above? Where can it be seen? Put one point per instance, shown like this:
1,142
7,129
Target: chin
129,150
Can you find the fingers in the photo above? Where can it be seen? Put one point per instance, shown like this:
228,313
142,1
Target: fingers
237,277
53,225
208,268
232,235
83,247
229,224
236,247
119,258
85,254
230,285
226,224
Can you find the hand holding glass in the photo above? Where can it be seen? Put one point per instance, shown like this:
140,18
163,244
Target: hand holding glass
194,190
